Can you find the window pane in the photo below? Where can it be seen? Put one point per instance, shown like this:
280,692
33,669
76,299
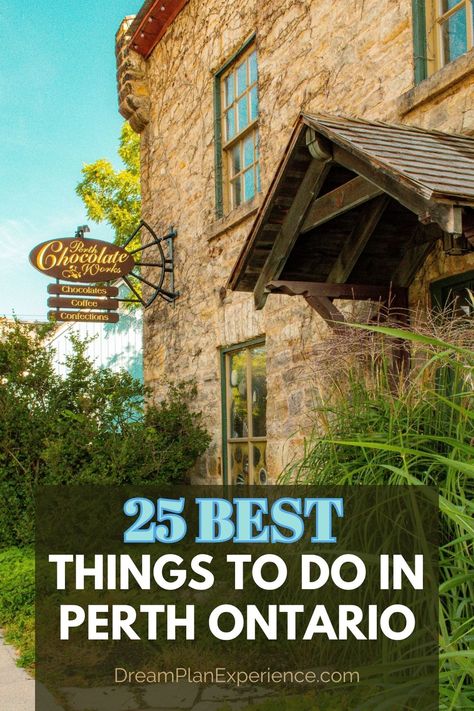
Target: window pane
454,35
259,187
249,184
253,103
253,67
229,90
237,192
230,124
240,109
259,391
242,78
248,151
238,394
259,453
236,163
239,463
243,112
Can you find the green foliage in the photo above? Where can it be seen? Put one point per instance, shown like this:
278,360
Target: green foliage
17,601
87,427
418,428
175,434
113,196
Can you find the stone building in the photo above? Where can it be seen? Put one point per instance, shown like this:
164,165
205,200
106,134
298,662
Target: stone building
270,140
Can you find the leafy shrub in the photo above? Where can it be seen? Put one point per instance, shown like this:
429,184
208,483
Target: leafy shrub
17,600
418,428
88,427
175,435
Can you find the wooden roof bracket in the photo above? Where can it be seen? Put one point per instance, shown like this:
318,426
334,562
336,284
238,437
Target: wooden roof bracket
355,145
357,240
327,310
340,200
447,216
361,292
290,229
320,295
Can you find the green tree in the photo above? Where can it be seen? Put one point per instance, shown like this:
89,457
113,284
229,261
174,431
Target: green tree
86,428
113,196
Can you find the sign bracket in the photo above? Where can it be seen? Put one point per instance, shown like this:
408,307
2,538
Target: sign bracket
164,262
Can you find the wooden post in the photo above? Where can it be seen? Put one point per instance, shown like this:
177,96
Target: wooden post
401,355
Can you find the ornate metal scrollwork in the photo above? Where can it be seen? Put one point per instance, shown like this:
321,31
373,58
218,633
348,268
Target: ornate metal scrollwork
163,284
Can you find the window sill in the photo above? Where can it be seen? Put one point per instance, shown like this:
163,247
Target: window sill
234,218
437,83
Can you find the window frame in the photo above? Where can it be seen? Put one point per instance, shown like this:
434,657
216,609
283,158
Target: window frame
226,401
439,287
419,40
428,20
222,181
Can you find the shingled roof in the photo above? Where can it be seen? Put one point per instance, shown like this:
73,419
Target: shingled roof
438,165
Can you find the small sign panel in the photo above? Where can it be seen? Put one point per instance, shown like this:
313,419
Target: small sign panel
77,302
83,316
79,290
81,260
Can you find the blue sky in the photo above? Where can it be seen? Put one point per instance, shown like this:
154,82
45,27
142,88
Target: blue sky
58,95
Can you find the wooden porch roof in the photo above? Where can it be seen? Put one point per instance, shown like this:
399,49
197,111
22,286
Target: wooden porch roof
357,201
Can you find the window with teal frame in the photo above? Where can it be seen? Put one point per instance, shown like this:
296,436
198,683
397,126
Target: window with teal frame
443,30
244,413
419,40
236,129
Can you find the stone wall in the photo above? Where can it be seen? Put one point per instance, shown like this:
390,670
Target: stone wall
353,59
132,84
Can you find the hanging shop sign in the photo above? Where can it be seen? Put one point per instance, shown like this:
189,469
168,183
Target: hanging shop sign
56,302
83,316
87,264
78,290
81,260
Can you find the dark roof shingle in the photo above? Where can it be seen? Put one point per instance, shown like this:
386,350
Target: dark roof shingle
440,165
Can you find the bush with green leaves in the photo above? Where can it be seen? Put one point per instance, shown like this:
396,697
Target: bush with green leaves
376,426
17,601
88,427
